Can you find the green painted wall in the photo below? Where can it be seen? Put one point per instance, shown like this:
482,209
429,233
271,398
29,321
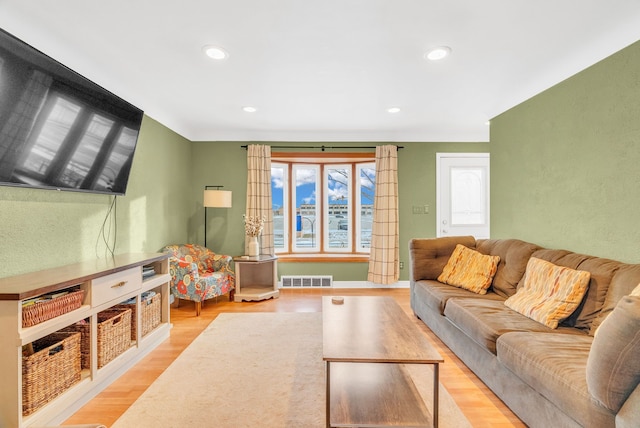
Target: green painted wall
564,174
219,164
565,165
225,163
40,229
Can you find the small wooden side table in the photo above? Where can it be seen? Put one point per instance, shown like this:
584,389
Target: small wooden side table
256,278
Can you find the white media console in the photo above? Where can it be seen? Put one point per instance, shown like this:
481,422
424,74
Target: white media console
106,283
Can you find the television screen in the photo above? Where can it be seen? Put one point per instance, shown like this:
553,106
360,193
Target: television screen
59,130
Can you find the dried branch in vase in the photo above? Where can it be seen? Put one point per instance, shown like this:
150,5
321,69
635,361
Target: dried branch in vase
253,224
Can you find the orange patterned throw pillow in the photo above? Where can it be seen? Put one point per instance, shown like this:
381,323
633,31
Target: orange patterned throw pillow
469,269
550,293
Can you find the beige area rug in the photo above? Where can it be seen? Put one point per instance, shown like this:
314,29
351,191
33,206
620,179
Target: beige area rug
254,370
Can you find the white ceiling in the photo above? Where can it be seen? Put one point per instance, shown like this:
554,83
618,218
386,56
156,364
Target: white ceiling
325,70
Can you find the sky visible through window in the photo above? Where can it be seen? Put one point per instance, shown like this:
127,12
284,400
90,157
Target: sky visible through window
305,191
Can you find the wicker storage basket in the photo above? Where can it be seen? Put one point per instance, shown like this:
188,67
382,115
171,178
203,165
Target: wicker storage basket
51,369
114,335
43,311
151,315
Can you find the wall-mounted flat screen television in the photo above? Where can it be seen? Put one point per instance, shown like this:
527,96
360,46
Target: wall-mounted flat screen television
59,130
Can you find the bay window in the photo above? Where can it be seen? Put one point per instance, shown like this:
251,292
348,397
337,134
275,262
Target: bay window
322,206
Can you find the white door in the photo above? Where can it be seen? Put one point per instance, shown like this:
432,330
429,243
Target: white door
462,194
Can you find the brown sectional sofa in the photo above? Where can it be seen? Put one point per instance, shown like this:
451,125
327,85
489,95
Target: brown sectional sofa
540,373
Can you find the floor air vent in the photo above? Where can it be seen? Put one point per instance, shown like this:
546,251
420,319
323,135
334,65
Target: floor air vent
307,280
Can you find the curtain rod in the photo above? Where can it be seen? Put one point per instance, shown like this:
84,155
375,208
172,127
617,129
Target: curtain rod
322,147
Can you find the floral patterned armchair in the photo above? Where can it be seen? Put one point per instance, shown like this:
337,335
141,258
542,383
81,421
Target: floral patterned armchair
198,273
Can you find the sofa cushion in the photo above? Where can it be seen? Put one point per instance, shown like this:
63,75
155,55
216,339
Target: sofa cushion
436,294
555,366
429,256
625,279
514,255
485,320
602,271
561,257
469,269
613,367
550,293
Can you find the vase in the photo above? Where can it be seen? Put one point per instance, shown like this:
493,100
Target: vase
254,246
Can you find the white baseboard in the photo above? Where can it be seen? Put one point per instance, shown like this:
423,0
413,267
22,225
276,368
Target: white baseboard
367,284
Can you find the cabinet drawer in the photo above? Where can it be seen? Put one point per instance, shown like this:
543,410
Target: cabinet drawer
111,287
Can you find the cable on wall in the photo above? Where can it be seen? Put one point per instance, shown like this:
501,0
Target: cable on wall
110,221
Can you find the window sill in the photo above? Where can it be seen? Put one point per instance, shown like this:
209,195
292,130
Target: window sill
323,258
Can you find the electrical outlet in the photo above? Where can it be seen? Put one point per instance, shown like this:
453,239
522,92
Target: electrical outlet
401,265
425,209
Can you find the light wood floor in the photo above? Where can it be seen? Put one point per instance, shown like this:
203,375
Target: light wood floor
479,404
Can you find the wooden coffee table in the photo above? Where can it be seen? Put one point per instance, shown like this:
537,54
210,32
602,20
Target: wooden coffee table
367,340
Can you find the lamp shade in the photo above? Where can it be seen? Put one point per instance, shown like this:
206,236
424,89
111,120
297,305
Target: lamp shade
217,198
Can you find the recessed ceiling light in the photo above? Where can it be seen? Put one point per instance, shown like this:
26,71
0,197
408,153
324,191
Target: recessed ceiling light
438,53
215,52
249,109
393,110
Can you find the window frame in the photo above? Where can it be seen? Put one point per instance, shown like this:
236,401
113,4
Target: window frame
324,161
327,206
316,241
359,207
285,206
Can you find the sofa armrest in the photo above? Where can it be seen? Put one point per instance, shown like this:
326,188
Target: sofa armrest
629,414
428,256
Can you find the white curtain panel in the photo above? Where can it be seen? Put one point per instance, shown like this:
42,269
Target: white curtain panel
384,266
259,193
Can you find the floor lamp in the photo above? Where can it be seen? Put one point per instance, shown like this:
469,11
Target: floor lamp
214,199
